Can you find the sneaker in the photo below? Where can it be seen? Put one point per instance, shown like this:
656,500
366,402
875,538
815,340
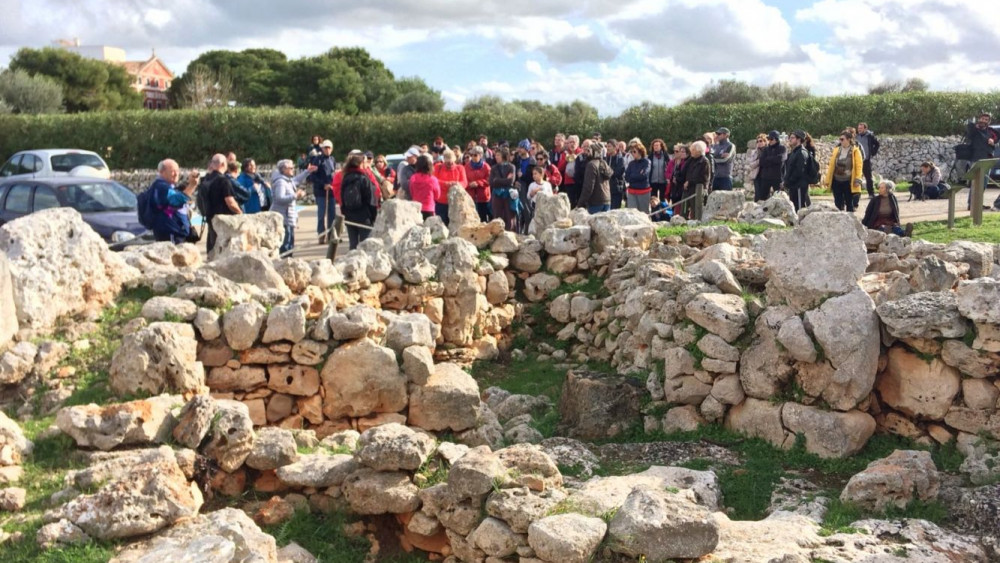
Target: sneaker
322,239
908,230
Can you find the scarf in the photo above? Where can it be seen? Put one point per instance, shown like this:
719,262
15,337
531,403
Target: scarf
477,165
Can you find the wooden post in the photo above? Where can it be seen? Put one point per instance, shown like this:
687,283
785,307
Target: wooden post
951,207
333,237
699,200
977,176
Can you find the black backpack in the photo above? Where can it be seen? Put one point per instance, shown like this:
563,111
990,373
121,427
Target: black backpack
201,198
351,198
812,168
146,209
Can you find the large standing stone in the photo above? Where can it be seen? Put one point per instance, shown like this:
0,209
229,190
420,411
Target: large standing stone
137,422
8,308
241,325
828,433
145,499
916,387
395,218
766,366
567,538
549,209
461,210
825,255
59,267
361,378
896,480
923,315
159,358
724,205
847,329
595,405
662,525
724,315
449,400
263,232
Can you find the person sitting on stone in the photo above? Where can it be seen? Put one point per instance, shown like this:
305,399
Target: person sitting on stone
882,213
928,184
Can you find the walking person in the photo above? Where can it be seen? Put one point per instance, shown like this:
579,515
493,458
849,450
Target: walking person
260,192
449,174
284,184
477,174
678,177
616,161
723,151
844,172
658,168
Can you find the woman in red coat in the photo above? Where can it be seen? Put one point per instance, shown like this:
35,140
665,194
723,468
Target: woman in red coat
477,172
449,173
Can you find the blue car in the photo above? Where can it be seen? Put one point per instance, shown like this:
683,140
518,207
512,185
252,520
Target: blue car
107,206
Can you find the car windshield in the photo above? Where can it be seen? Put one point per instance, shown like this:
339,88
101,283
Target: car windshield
96,196
69,161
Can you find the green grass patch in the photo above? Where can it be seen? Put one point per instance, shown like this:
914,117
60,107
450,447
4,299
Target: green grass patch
593,286
323,536
527,377
739,228
938,231
840,515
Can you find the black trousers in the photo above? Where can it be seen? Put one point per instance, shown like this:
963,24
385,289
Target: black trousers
866,169
762,188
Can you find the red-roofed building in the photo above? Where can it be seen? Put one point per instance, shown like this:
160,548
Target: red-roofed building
151,76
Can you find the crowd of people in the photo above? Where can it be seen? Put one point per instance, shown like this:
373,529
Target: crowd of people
504,180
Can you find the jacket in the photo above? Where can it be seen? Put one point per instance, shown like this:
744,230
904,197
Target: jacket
553,174
260,199
595,189
388,174
617,164
869,144
284,195
168,221
932,178
478,186
697,171
363,180
871,212
723,167
658,168
446,176
770,161
424,189
637,176
678,177
403,175
979,139
795,169
323,175
856,166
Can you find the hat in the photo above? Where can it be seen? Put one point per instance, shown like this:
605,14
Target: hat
722,131
354,151
369,154
773,135
412,151
326,144
524,144
799,134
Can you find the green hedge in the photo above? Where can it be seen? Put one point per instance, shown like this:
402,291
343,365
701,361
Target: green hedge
139,139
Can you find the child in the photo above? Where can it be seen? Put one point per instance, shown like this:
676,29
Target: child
656,205
538,184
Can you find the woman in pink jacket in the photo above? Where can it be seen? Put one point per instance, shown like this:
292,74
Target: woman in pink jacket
424,187
448,173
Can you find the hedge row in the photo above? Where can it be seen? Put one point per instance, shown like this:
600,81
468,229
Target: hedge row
139,139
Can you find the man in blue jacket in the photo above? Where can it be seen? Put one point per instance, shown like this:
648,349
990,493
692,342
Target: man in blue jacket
322,181
171,222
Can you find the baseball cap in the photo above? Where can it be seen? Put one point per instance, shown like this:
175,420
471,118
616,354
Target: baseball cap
773,135
722,131
326,144
412,151
799,134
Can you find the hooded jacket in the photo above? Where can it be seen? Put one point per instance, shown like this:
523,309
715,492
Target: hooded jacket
595,189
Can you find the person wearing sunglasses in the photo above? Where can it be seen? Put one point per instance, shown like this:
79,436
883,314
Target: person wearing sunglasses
844,173
552,173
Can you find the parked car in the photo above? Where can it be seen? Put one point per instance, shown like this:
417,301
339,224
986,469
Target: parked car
107,206
46,163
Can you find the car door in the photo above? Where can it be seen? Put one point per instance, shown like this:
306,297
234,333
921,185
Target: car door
16,202
12,167
44,198
31,164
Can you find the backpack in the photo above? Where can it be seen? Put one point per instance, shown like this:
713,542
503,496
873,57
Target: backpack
812,168
201,198
146,208
351,198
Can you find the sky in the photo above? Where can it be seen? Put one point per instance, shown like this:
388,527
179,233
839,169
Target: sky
612,54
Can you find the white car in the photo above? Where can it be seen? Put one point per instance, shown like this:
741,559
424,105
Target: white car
46,163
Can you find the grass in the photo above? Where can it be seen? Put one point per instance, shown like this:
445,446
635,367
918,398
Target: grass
322,535
937,231
592,286
739,228
840,514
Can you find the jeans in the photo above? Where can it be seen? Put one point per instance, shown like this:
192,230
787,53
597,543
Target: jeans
289,241
866,170
592,209
842,196
485,213
638,201
324,219
724,183
355,235
441,210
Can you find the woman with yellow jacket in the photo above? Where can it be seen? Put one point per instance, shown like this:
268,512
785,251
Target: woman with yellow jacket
843,174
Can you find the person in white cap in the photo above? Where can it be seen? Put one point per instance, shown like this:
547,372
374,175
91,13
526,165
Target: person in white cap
405,171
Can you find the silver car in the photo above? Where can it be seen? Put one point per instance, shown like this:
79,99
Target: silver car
48,163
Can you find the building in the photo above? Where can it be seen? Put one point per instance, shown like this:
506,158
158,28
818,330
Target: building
151,76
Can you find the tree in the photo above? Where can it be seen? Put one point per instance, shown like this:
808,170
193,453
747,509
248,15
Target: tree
414,95
23,93
785,92
916,85
728,91
484,103
578,110
380,86
87,84
255,74
204,88
324,83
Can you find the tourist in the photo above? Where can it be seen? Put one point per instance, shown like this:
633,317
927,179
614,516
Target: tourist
679,176
882,213
669,175
260,191
449,174
723,152
637,178
218,196
658,159
477,175
795,181
770,162
424,187
753,166
697,172
595,192
405,171
709,139
357,199
539,184
382,166
843,173
484,144
616,161
524,159
322,182
242,194
503,194
284,186
170,223
928,184
437,148
558,156
661,209
569,170
315,148
868,142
